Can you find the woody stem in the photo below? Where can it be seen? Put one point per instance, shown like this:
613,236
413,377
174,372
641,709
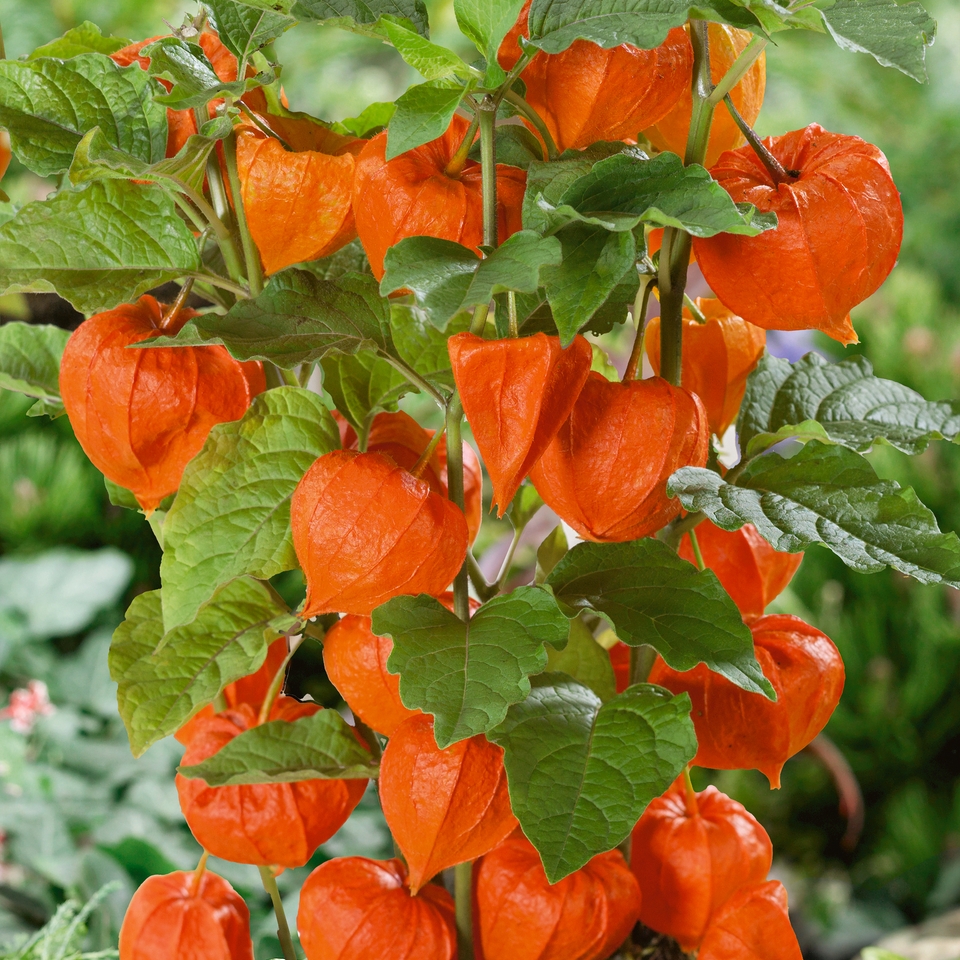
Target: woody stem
455,167
173,313
463,883
250,252
283,929
776,169
639,318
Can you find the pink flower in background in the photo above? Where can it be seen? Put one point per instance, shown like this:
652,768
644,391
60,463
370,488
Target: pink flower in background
26,705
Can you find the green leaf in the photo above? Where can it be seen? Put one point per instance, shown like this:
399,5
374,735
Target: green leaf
446,277
49,104
358,15
524,506
550,552
96,246
362,385
515,146
549,181
429,59
594,264
652,596
585,661
627,189
85,38
849,404
581,772
30,360
422,114
232,513
159,690
319,747
244,30
468,674
487,22
122,497
369,122
195,82
298,318
895,34
831,496
422,346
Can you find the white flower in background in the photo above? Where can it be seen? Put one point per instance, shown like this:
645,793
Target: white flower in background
26,705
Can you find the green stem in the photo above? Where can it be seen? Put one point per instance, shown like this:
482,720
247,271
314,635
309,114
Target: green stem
410,374
642,659
776,169
691,305
463,887
639,318
222,282
461,587
512,313
701,117
276,684
485,591
525,57
738,69
283,929
429,451
479,321
508,559
457,162
488,161
697,555
527,111
369,737
250,252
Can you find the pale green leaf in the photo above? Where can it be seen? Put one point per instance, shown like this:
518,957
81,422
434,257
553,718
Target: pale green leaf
429,59
84,38
585,661
422,114
358,15
243,30
30,360
362,385
487,22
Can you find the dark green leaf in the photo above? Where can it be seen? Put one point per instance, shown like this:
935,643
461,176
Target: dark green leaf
584,660
832,496
318,747
849,404
97,246
362,385
161,689
581,772
422,346
48,105
243,29
549,181
652,596
85,38
468,674
298,318
422,114
232,512
895,34
348,259
359,14
30,360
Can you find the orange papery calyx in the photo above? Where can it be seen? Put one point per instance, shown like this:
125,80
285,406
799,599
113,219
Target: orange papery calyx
752,925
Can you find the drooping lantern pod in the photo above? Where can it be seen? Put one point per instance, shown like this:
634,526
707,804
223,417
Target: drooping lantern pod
516,394
606,471
737,730
366,530
142,415
187,916
6,155
718,356
752,925
690,853
352,908
266,823
840,224
748,568
586,93
443,807
421,193
726,44
521,916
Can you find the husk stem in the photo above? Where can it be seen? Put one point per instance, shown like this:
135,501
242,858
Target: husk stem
283,928
463,883
776,169
455,167
530,114
251,254
640,305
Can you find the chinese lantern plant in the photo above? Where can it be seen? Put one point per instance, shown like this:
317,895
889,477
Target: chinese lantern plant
488,713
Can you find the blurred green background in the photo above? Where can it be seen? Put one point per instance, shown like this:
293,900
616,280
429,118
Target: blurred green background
76,810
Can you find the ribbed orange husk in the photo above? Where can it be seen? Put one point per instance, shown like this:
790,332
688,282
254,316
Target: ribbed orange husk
264,824
181,124
690,855
173,916
737,730
718,356
586,93
840,224
299,202
516,394
141,415
748,568
606,471
403,440
5,153
412,195
726,44
366,530
585,916
752,925
352,908
443,807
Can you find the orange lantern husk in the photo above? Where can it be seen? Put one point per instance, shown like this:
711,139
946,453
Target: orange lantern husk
188,917
752,925
443,807
606,471
516,394
264,824
365,530
718,356
415,194
521,916
587,93
737,730
748,568
352,908
840,225
726,44
690,853
141,415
